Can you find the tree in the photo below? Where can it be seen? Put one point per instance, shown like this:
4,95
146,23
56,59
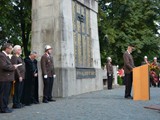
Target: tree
126,21
15,20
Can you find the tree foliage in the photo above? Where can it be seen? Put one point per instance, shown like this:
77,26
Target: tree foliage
15,20
122,22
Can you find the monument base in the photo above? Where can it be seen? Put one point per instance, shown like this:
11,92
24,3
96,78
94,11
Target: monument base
66,84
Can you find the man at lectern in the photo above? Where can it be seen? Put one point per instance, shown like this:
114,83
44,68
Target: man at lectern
128,67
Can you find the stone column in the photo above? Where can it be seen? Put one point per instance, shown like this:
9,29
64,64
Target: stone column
52,24
115,82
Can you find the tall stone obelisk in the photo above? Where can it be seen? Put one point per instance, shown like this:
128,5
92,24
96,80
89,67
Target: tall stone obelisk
70,27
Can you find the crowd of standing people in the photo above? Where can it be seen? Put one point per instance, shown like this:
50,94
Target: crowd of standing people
22,76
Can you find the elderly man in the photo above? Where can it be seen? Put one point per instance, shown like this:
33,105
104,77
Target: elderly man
19,76
47,66
29,92
6,77
128,67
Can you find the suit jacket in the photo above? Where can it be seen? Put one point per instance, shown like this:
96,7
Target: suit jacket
109,68
20,71
128,62
47,65
31,68
6,68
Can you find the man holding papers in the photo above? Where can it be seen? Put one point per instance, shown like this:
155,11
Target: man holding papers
19,76
6,77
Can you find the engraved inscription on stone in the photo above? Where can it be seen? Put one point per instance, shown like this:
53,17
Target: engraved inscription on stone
83,73
82,38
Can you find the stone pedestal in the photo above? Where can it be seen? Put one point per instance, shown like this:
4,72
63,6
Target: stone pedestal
115,81
52,23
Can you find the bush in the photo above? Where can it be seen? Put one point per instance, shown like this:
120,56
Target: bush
120,80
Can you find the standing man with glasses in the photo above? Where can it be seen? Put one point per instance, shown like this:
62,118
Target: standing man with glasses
6,77
31,73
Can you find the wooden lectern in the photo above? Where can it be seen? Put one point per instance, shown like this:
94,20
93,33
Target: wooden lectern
141,89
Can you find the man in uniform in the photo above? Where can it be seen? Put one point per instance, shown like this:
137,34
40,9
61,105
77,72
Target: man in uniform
109,72
47,66
145,60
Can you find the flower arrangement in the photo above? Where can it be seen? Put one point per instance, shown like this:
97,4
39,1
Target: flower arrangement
120,78
154,67
154,71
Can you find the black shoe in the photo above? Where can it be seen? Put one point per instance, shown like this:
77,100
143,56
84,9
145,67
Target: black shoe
35,102
45,101
16,106
128,97
7,110
51,100
22,105
28,104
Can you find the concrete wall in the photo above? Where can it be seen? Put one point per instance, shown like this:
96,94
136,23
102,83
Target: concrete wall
52,24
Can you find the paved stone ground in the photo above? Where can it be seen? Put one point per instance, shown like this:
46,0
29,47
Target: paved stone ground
99,105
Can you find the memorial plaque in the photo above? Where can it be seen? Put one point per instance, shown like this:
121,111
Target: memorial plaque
83,73
82,41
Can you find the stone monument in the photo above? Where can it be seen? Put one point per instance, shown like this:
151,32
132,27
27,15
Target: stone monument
70,27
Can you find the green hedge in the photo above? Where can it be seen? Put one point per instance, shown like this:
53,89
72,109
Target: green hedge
120,80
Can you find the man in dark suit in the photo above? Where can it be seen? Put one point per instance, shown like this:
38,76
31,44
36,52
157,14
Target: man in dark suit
48,74
128,67
29,93
6,77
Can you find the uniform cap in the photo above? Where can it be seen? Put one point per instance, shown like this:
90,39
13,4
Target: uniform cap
155,58
145,56
47,47
108,58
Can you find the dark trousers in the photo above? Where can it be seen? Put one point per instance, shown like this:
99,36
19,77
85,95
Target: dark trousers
34,91
48,86
128,84
18,89
28,92
5,89
110,79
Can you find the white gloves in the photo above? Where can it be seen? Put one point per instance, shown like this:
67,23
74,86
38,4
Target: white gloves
54,76
20,79
35,74
45,76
